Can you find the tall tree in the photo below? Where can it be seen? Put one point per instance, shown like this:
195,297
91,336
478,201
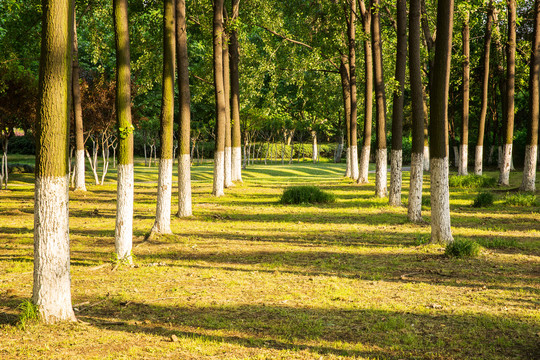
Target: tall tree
79,170
219,90
479,151
504,176
380,101
397,111
52,279
346,94
531,150
236,165
184,158
368,94
438,125
463,159
414,206
353,153
162,225
124,202
227,94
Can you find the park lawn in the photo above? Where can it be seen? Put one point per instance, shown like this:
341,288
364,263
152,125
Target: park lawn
248,278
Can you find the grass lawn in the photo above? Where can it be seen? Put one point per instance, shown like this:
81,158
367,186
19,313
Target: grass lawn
248,278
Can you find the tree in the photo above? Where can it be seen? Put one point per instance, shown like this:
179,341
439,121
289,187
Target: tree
52,280
346,95
236,165
438,125
227,179
353,152
531,150
184,159
124,203
463,159
162,225
79,169
414,206
504,176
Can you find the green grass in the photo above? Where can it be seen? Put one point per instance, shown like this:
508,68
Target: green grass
472,181
306,195
483,199
520,199
462,248
248,278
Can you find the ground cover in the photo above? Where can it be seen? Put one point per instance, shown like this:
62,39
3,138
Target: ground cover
249,278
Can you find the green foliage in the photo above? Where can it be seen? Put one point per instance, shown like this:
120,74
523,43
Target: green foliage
29,313
125,131
498,243
426,201
306,195
520,199
483,199
472,181
462,248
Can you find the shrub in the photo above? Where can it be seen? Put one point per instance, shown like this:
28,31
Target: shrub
462,248
472,181
520,199
29,313
306,195
483,199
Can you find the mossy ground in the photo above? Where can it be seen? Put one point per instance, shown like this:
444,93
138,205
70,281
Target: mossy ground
248,278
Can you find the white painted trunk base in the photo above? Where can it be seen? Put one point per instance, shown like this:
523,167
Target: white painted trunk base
123,237
162,225
381,173
52,278
456,156
426,158
506,163
184,186
529,169
354,162
348,162
414,207
364,165
236,164
441,231
79,170
228,167
478,158
463,160
219,174
396,160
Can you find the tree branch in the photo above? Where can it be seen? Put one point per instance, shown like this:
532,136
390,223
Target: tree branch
285,38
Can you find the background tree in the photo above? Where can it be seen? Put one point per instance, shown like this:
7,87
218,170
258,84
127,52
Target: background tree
464,150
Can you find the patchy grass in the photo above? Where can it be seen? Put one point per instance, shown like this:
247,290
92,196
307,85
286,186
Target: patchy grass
472,181
306,195
520,199
248,278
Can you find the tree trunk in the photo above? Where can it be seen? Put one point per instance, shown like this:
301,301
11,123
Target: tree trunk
464,159
368,94
219,156
397,112
184,158
227,93
79,171
236,135
124,207
346,92
531,150
380,100
438,126
504,177
353,146
52,281
162,224
314,155
479,151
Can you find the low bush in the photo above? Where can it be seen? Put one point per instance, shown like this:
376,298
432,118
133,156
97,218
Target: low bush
306,195
520,199
472,181
462,248
483,199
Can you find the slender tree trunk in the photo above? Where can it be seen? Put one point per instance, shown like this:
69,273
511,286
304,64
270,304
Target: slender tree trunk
219,160
368,94
346,91
464,159
479,151
52,280
227,87
125,182
438,126
504,178
235,101
79,170
184,158
531,150
162,224
314,155
380,100
397,111
352,78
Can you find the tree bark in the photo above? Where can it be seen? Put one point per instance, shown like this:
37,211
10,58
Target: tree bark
531,151
79,170
236,135
52,280
504,177
346,91
463,159
352,78
219,156
227,93
438,126
184,158
124,207
397,112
